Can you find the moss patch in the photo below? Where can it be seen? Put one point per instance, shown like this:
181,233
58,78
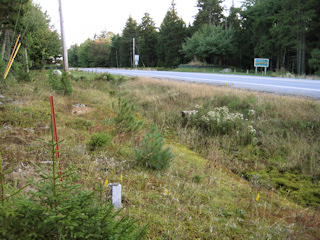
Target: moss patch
301,189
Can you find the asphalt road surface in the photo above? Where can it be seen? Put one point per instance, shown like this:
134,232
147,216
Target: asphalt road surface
300,87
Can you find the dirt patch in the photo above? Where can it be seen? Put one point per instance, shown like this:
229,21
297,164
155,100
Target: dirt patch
81,110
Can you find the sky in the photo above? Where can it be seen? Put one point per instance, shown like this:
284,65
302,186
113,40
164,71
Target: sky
83,19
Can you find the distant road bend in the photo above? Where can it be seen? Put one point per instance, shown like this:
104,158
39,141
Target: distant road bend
301,87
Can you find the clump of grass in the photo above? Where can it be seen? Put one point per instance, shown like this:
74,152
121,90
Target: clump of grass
80,123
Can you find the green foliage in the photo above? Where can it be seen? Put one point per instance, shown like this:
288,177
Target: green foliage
290,183
152,153
2,66
58,208
129,32
98,140
210,41
23,75
125,120
23,116
85,55
148,41
80,123
42,41
73,56
210,12
171,35
61,84
105,77
314,62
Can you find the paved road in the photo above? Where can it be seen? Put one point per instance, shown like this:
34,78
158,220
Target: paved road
302,87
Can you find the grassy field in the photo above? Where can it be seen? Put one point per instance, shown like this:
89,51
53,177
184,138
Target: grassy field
253,172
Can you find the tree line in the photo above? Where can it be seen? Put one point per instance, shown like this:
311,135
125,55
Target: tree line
285,31
40,45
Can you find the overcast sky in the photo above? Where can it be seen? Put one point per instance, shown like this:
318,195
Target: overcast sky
84,18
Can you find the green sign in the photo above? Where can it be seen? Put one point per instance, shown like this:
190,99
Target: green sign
261,62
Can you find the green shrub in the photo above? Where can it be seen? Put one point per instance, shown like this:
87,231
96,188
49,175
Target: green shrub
61,209
80,78
61,84
98,140
23,76
125,120
152,153
105,77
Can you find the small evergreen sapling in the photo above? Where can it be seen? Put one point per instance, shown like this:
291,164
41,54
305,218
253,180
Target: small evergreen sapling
125,120
55,209
152,153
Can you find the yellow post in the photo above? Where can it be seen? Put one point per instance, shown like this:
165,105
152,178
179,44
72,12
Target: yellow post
13,55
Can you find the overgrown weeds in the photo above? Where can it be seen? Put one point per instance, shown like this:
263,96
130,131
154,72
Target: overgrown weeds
194,197
255,131
58,208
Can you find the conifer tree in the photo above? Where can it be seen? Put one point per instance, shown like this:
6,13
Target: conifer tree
147,41
129,32
172,34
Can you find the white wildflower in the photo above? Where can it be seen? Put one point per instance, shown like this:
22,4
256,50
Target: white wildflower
251,113
198,106
252,130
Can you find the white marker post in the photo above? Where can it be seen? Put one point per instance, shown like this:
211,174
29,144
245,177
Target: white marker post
115,194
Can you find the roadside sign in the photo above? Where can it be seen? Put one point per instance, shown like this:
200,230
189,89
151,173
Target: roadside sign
136,60
261,62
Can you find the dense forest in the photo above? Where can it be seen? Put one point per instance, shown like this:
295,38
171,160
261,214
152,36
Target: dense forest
285,31
40,43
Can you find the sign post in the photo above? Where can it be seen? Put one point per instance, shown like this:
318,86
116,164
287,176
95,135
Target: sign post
261,62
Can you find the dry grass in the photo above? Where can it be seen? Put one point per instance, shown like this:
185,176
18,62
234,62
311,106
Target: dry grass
196,197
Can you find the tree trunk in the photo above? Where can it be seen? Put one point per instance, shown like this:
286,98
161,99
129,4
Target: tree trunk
284,58
303,50
26,56
220,60
3,49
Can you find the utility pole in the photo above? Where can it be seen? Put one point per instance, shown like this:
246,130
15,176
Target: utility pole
133,52
63,41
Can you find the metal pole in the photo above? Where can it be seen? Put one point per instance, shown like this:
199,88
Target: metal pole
63,41
133,52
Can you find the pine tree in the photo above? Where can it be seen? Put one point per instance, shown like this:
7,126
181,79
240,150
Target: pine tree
172,34
130,31
152,153
147,41
210,12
